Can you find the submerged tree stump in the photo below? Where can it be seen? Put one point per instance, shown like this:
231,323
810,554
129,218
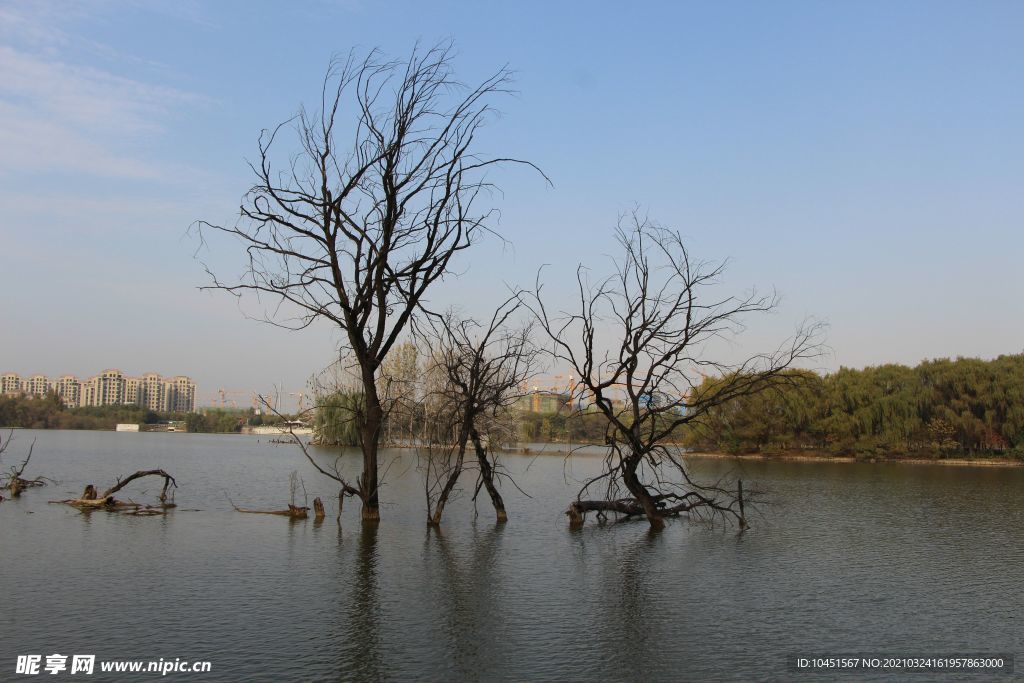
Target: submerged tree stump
575,516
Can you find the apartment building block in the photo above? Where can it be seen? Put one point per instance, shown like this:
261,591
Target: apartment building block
110,387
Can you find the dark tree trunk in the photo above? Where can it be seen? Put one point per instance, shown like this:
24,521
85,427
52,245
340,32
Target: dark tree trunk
642,495
487,475
370,444
453,478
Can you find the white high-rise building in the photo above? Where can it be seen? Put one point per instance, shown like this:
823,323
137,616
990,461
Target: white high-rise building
110,387
69,389
10,383
184,394
36,385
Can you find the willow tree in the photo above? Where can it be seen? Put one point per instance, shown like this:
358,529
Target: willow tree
399,381
637,341
355,223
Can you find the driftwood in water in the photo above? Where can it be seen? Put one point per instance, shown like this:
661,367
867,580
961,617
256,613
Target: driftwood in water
90,500
625,506
15,482
666,505
293,511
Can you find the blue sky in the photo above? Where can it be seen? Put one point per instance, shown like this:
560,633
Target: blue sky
866,159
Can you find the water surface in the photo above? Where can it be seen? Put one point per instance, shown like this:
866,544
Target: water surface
867,558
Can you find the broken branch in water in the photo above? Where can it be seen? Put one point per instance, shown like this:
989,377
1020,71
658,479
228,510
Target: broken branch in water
15,482
293,511
90,500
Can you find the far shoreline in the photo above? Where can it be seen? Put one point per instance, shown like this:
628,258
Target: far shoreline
559,448
826,457
563,448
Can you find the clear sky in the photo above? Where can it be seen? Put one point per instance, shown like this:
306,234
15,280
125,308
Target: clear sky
864,158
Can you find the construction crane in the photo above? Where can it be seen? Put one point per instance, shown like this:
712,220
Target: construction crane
302,400
225,397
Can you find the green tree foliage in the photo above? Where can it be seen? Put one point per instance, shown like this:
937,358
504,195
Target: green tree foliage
194,422
562,427
218,421
399,375
48,412
336,422
940,407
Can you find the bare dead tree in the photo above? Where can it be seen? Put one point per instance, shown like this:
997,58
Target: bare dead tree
483,370
437,439
637,343
441,456
385,190
14,481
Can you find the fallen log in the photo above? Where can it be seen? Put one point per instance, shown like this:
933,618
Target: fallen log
90,500
147,511
665,505
624,506
293,511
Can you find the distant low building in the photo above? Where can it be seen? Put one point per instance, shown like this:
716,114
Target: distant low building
544,402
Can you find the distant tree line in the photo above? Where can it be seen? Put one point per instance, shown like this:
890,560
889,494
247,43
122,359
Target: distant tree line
336,414
49,412
563,426
216,421
939,408
229,420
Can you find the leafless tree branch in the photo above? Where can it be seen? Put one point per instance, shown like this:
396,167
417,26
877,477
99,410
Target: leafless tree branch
661,310
385,191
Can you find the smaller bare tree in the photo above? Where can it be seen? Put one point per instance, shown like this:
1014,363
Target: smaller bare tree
481,369
659,311
14,481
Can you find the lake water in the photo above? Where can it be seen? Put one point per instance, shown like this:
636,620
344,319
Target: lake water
848,558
